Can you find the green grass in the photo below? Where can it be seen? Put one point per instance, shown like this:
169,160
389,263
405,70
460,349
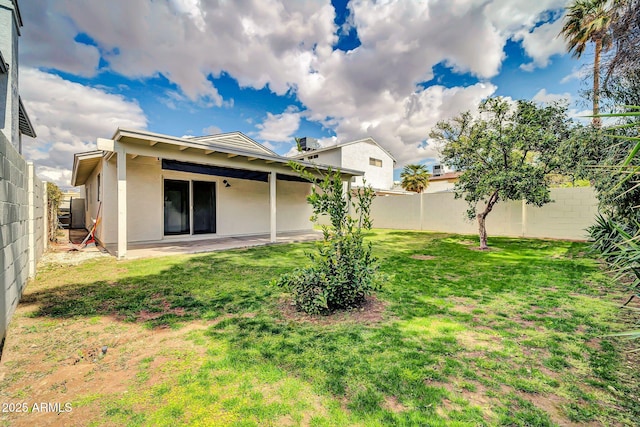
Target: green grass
514,336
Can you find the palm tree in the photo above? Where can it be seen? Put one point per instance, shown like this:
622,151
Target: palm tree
415,178
589,21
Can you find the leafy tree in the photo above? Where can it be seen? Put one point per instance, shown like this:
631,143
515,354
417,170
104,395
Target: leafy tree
626,39
54,197
415,178
343,272
504,153
589,21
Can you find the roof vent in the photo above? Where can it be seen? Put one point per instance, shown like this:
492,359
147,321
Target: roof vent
308,143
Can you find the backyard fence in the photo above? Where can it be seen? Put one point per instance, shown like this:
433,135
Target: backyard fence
23,200
569,215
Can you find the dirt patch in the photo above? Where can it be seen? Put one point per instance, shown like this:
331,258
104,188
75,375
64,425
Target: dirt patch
462,305
64,252
423,257
489,249
371,312
392,404
61,361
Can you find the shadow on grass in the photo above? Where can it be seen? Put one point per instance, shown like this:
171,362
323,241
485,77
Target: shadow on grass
200,287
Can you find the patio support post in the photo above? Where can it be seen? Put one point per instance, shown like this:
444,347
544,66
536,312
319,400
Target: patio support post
122,202
272,206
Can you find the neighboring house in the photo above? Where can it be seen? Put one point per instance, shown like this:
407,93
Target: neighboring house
157,188
443,182
14,121
364,155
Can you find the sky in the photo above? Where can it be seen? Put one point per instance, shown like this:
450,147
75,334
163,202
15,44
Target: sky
278,69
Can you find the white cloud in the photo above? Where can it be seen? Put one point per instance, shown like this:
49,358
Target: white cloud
542,43
544,97
279,127
68,118
212,130
287,45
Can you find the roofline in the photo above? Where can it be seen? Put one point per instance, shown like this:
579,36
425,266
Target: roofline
224,149
234,133
17,12
333,147
27,129
443,177
77,157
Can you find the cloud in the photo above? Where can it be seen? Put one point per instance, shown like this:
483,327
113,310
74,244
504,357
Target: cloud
287,46
68,118
542,43
543,97
212,130
279,127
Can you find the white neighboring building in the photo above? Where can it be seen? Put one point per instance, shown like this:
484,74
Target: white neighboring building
363,155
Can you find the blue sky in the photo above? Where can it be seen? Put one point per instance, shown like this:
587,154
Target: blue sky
277,69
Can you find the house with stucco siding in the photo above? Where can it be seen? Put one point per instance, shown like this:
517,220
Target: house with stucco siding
144,187
363,154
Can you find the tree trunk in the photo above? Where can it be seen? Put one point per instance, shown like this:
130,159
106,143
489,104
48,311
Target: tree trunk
482,231
482,217
597,122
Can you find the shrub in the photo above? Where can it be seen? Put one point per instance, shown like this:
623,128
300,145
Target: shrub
343,271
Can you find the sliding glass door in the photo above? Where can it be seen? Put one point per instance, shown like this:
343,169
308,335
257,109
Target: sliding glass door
187,203
204,207
176,207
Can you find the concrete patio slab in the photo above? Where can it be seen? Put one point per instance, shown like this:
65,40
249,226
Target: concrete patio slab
148,250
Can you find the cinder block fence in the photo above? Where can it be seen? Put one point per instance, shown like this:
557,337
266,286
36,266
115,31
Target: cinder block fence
23,236
569,215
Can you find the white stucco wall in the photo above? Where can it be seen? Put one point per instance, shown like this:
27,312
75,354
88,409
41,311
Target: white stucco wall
439,186
331,158
356,156
241,209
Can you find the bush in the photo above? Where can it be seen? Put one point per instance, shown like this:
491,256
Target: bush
343,272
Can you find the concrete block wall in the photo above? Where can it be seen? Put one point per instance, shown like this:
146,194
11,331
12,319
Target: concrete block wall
22,227
569,215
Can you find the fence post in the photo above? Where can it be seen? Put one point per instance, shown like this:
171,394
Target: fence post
45,216
524,218
31,201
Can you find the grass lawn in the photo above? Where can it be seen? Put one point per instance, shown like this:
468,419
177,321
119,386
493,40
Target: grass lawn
457,337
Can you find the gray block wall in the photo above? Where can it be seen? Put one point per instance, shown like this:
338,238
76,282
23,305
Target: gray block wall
22,227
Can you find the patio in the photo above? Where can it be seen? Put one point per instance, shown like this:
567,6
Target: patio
148,250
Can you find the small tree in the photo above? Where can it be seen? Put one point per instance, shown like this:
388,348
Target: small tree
343,271
415,178
54,197
504,154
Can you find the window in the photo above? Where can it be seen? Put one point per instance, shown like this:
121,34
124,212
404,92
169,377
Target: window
315,156
98,191
375,162
189,207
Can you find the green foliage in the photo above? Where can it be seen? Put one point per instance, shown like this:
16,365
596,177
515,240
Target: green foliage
415,178
54,197
343,272
505,153
616,234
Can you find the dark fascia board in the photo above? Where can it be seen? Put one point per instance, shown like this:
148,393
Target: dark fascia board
4,67
26,127
17,13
